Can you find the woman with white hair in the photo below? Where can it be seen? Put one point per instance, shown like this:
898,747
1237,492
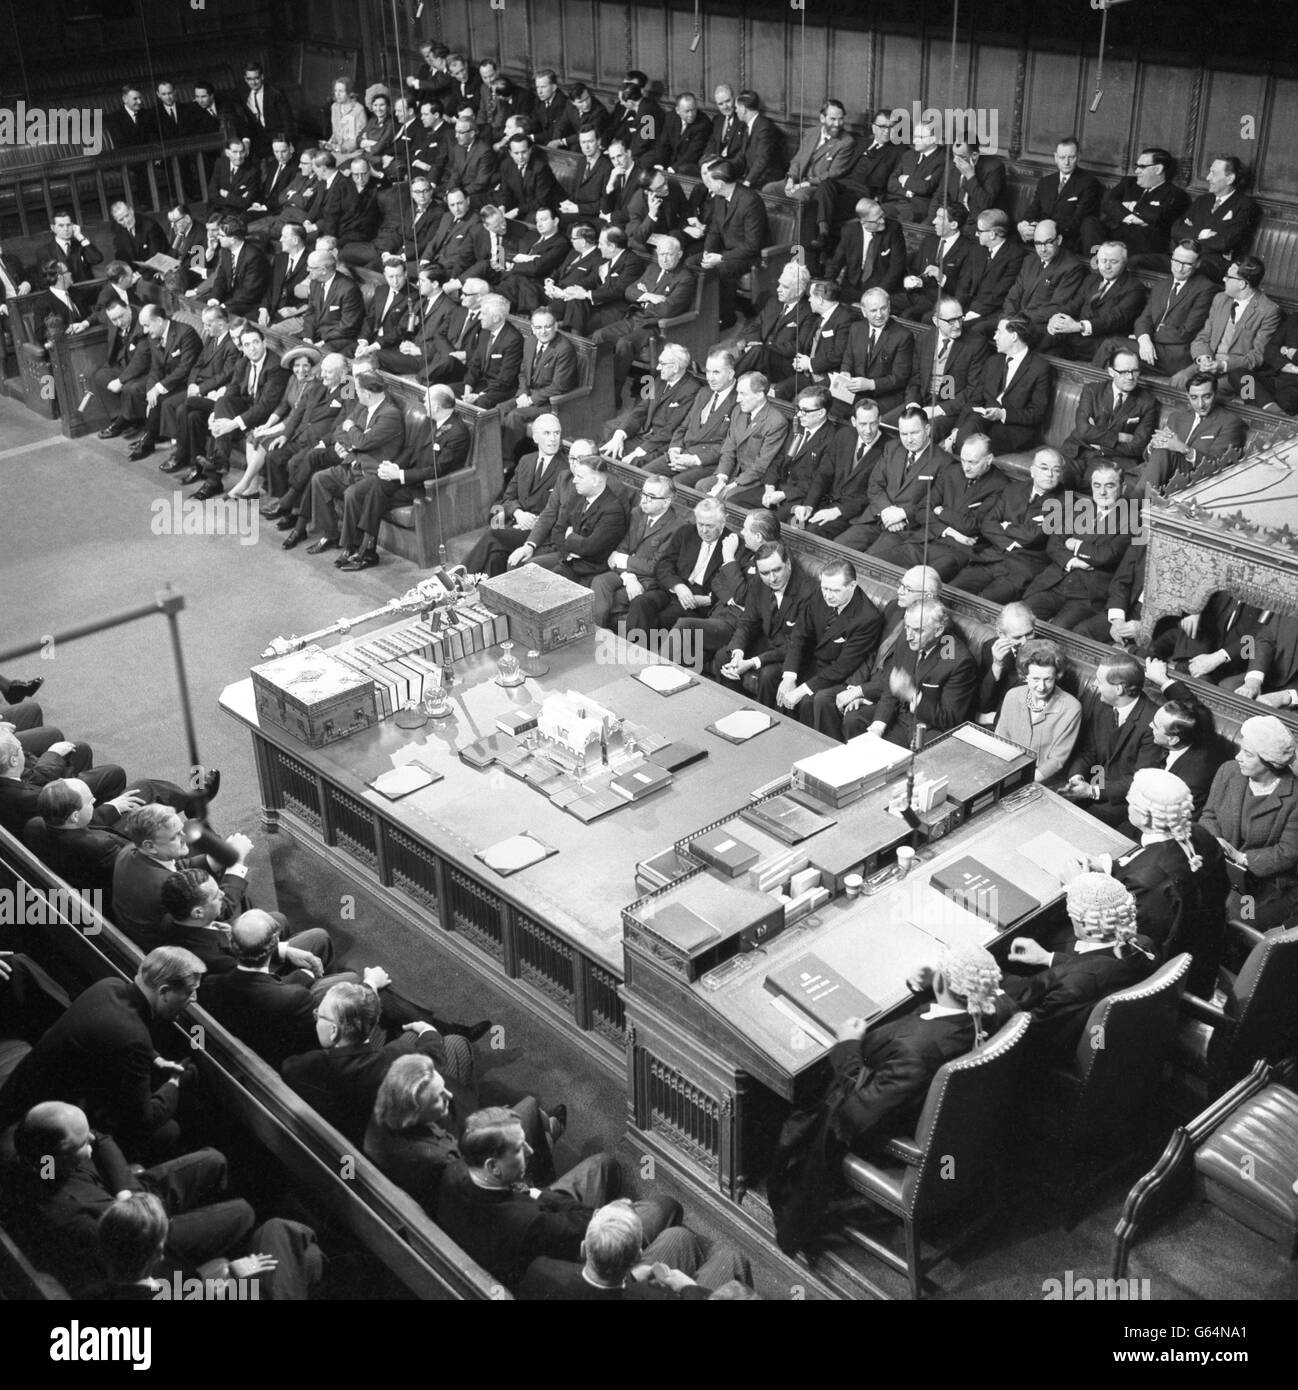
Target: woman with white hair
1106,955
1253,811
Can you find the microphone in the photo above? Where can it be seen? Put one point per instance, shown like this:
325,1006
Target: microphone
207,842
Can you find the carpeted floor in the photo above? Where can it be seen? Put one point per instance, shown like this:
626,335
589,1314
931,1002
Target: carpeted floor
80,538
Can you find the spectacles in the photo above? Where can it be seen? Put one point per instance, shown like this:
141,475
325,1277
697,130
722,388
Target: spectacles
1177,262
955,318
1050,242
1149,165
1232,275
809,409
653,496
1126,371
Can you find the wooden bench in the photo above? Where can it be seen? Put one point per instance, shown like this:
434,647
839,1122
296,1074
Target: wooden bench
783,216
335,1180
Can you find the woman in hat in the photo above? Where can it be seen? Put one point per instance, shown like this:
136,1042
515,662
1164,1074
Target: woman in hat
1253,811
305,364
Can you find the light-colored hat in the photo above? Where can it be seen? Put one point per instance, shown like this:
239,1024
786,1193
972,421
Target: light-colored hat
311,354
1266,736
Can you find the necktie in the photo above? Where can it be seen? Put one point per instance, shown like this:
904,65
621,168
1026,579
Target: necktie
1104,289
939,366
252,379
1117,720
874,343
701,564
1171,300
798,440
1011,366
711,406
866,239
857,457
910,460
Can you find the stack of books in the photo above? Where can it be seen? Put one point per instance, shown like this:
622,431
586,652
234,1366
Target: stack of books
840,776
784,818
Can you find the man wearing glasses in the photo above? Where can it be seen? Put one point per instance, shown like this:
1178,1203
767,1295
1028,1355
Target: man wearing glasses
799,476
631,566
1241,322
947,367
867,177
1141,210
1175,312
993,267
1115,419
1048,284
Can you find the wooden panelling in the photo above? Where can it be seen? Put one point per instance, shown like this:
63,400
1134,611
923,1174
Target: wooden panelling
1280,156
610,43
901,63
721,45
578,30
687,70
1231,121
1051,106
515,42
1108,134
853,78
993,89
1163,97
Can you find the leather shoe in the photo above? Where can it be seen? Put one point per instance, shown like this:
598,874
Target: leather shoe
141,449
118,427
208,490
23,690
293,539
345,558
172,464
472,1031
192,476
319,547
285,523
366,560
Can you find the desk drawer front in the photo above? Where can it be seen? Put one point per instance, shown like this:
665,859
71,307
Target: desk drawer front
543,959
413,869
684,1114
353,827
298,789
475,912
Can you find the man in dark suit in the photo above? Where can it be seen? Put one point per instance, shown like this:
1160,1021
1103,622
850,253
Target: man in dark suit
1068,198
683,575
1087,538
443,449
242,272
727,138
938,266
256,389
335,310
972,180
773,609
1107,956
14,281
586,195
171,119
886,1071
185,416
128,126
425,149
460,246
948,535
536,261
174,349
662,291
289,270
657,209
632,564
1275,664
948,366
701,434
360,212
1275,383
373,433
931,679
301,447
1222,221
871,253
1011,404
1217,644
522,499
491,370
579,271
526,181
1116,738
771,343
899,485
326,215
879,360
822,342
101,1054
737,232
916,177
1115,420
126,355
236,183
277,176
68,244
1141,210
645,430
758,433
1174,313
466,85
585,113
1049,283
993,269
267,111
857,450
637,119
838,629
1110,300
550,107
798,477
298,200
866,177
388,317
472,165
586,308
685,137
1183,728
1206,430
1011,550
550,368
582,523
135,238
762,158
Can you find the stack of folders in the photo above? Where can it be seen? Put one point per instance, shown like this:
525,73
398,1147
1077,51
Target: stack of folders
775,869
804,894
640,780
782,817
839,776
723,851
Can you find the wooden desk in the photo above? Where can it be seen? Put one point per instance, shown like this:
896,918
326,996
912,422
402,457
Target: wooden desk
552,933
711,1071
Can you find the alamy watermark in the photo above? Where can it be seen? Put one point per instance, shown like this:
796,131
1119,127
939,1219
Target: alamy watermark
34,126
179,515
42,907
1083,1290
976,124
